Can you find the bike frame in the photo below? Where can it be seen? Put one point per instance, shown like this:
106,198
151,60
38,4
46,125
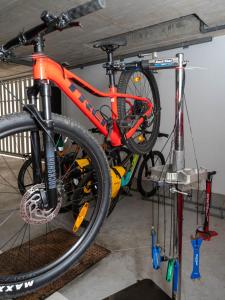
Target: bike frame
45,68
127,179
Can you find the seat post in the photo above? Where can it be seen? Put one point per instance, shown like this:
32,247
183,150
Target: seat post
109,46
110,70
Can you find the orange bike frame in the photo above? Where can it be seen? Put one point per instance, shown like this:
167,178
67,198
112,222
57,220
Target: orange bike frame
45,68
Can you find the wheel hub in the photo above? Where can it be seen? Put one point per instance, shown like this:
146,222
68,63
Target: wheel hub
32,208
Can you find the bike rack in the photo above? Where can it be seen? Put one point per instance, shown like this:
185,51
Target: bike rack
176,175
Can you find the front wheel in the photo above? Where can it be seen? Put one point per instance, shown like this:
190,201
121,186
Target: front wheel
140,83
26,226
144,183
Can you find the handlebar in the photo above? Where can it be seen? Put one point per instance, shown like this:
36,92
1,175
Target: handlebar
85,9
52,23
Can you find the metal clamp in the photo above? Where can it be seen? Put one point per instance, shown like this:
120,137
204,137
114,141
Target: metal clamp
173,190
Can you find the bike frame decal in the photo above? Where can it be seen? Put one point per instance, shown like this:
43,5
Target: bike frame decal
45,68
126,178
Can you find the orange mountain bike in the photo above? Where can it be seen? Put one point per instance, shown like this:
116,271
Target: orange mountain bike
134,121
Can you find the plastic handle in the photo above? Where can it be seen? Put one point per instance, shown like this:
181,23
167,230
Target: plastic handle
175,275
196,244
85,9
156,252
169,273
156,257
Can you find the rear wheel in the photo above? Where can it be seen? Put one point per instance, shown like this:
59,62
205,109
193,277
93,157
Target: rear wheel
143,84
26,227
144,183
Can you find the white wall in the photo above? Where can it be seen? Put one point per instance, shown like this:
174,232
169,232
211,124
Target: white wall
205,96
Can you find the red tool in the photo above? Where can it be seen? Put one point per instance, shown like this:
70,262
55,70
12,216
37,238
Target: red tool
204,231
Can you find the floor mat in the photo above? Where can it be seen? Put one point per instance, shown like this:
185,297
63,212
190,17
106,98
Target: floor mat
53,244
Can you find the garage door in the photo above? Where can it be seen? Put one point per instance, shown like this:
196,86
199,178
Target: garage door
12,98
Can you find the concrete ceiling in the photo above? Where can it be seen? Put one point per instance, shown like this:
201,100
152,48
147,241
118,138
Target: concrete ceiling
146,24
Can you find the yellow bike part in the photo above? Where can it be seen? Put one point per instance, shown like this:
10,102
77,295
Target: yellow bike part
80,218
87,188
141,138
136,79
117,173
82,162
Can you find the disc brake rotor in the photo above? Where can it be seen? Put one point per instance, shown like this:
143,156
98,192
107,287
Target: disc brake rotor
32,209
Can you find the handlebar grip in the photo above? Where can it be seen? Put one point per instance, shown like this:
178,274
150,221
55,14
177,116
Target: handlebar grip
85,9
210,174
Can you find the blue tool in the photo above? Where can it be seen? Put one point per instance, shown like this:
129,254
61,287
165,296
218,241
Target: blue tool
156,252
196,244
175,275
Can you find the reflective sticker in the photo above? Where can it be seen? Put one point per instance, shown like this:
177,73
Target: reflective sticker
136,79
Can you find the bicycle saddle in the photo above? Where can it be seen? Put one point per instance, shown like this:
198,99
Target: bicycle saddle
110,44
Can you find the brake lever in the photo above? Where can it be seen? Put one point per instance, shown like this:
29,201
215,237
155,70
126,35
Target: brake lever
64,21
5,54
48,18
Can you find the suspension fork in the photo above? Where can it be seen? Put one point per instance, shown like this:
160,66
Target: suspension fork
32,93
49,147
36,157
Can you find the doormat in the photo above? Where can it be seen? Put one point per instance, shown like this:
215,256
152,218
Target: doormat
144,289
57,242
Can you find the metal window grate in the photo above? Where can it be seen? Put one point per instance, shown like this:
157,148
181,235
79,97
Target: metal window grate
12,98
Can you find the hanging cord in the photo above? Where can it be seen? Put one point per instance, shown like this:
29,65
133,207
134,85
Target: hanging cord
167,160
175,223
196,160
158,204
153,214
171,224
164,216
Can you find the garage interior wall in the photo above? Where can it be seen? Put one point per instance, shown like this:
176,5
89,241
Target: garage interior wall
205,98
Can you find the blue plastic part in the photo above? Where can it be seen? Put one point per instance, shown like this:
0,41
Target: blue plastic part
156,259
126,179
175,275
196,244
156,252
